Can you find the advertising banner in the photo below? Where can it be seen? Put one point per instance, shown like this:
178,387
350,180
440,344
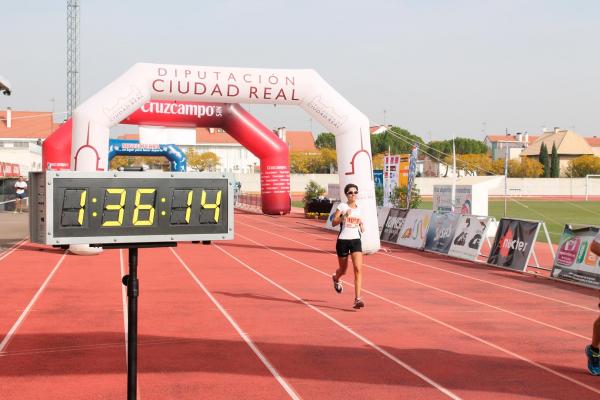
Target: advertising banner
378,178
441,232
468,237
382,214
391,171
9,170
393,224
414,229
574,261
513,243
328,224
463,197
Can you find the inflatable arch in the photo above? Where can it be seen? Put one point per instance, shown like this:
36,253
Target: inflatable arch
272,152
171,152
93,119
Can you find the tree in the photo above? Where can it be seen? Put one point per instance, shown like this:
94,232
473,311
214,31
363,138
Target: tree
379,195
306,163
378,161
328,160
582,166
396,140
525,168
473,164
325,140
443,148
128,161
554,162
497,167
121,162
543,159
207,161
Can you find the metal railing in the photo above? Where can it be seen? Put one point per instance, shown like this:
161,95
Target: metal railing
248,200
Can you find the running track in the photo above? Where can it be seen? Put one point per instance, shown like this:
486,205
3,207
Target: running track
257,318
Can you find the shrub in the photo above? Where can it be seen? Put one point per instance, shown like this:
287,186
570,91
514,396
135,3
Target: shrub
582,166
398,197
312,191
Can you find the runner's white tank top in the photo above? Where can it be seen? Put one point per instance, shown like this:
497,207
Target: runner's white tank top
351,227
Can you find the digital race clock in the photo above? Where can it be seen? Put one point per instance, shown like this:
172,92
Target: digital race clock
72,207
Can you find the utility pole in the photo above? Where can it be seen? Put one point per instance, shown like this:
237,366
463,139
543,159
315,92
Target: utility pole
73,53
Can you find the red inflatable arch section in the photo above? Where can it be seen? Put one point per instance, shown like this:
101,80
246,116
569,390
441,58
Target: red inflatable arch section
235,120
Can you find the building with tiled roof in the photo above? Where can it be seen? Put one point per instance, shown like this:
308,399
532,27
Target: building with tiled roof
377,129
300,142
26,124
569,145
594,142
498,144
21,135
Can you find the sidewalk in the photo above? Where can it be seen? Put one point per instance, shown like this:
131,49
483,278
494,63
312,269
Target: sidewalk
13,228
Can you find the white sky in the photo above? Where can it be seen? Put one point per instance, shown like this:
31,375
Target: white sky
437,67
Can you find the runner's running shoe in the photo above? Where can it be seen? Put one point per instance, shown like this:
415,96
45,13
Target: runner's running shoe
337,285
358,303
593,360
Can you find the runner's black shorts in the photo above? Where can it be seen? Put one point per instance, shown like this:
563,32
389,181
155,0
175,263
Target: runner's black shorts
20,195
343,247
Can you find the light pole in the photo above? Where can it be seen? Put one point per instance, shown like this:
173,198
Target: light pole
505,177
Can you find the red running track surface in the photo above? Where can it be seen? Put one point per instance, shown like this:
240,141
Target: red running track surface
257,318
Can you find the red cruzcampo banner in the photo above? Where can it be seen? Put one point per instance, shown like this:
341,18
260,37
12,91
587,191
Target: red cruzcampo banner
393,225
513,243
574,261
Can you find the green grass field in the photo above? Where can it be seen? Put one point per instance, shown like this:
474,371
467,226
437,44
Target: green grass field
554,213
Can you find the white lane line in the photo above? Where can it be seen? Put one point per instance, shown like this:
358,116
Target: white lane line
469,299
444,291
453,273
286,386
13,248
447,325
16,325
586,338
343,326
